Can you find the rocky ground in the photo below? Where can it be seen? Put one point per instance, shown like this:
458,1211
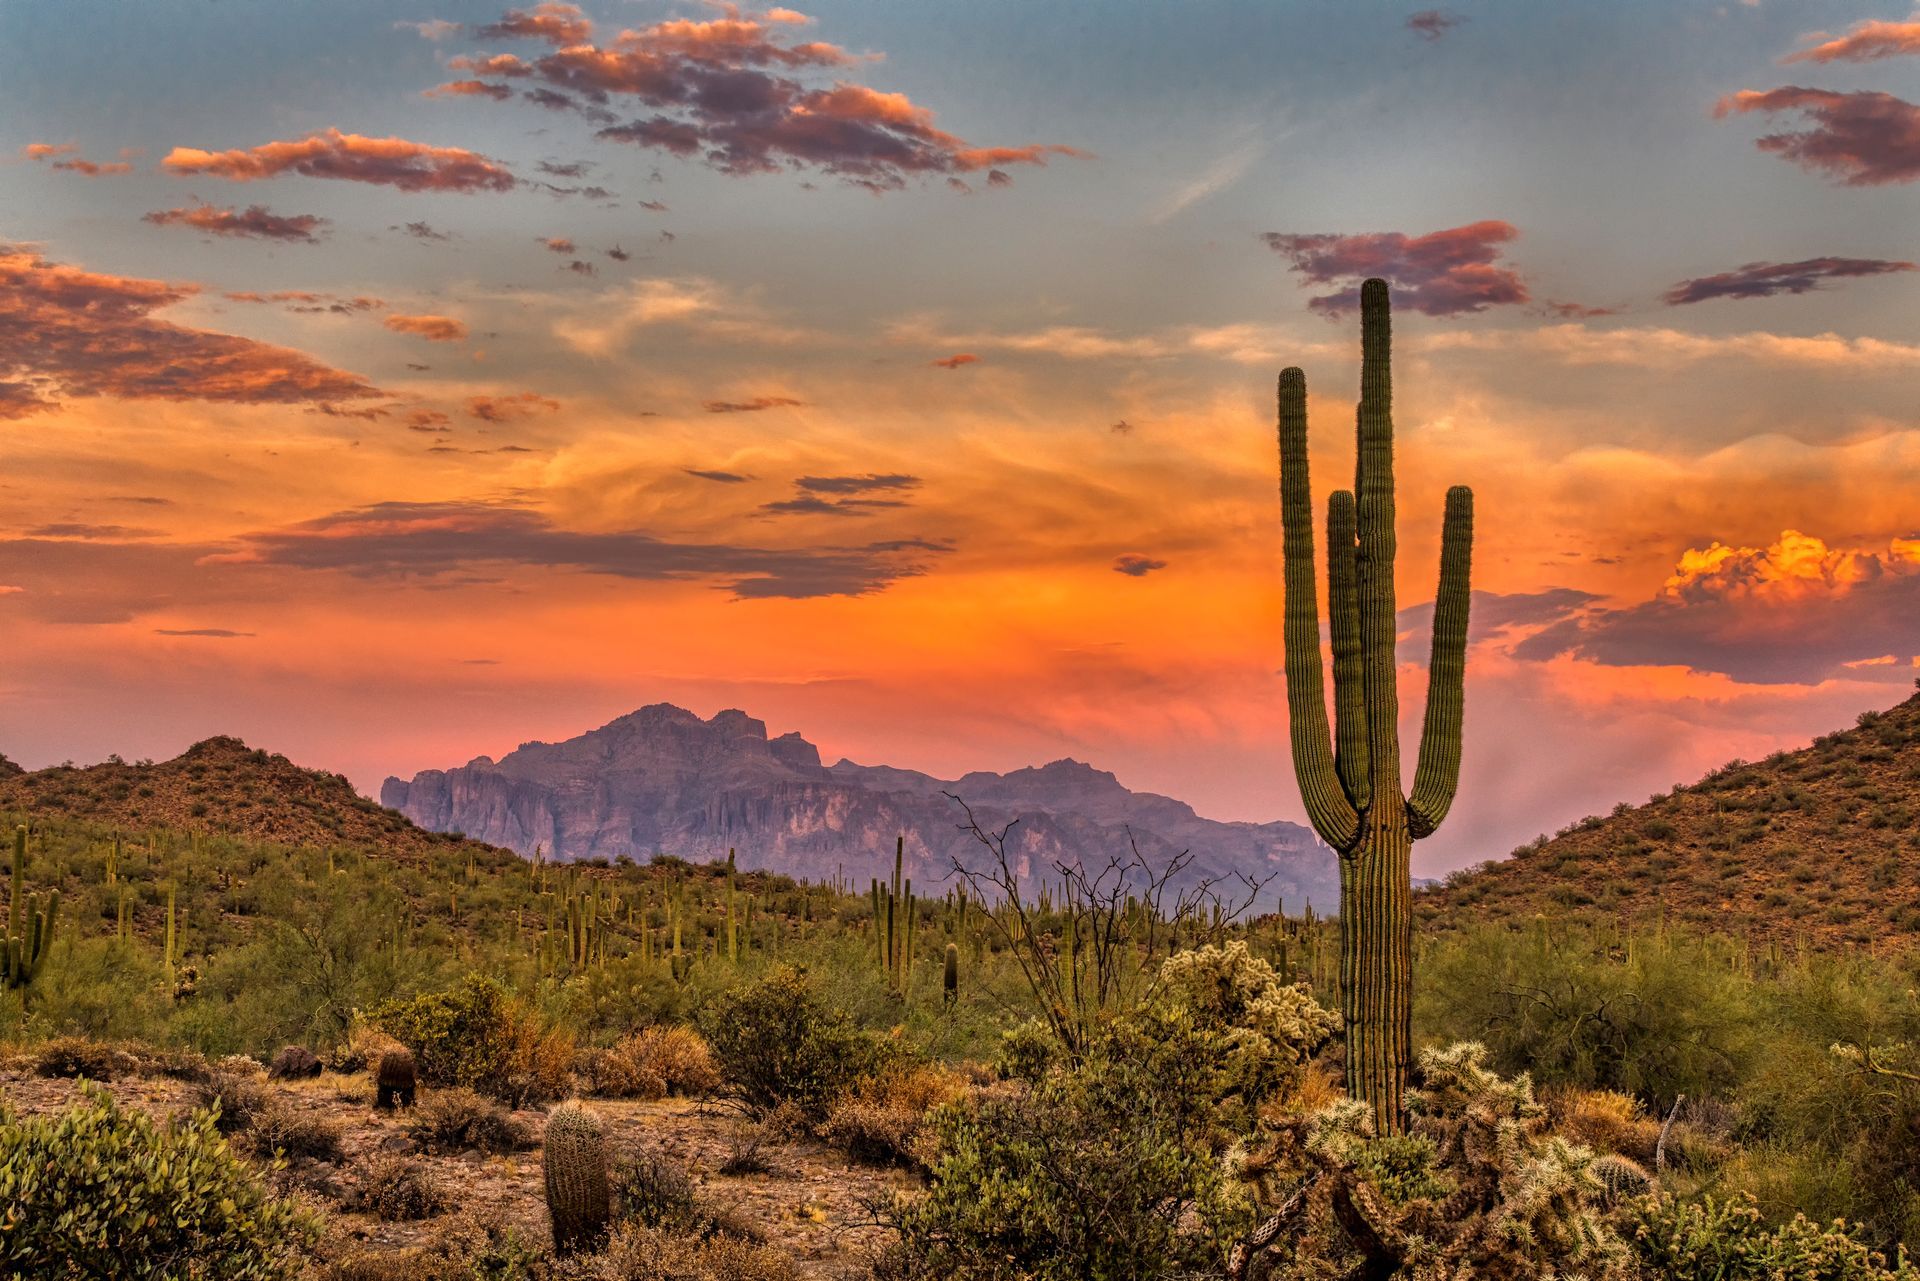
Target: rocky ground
809,1204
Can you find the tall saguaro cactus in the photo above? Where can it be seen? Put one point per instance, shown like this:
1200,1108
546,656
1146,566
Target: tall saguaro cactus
1350,779
29,935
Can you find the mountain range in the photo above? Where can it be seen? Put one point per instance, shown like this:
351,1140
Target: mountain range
662,780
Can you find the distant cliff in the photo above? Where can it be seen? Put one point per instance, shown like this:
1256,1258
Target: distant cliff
661,780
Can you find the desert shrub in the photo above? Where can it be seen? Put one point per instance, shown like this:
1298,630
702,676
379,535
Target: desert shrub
238,1098
460,1120
777,1043
676,1054
463,1247
640,1253
399,1189
476,1035
360,1048
746,1151
1604,1121
613,1074
653,1188
1729,1241
78,1056
877,1121
282,1129
95,1191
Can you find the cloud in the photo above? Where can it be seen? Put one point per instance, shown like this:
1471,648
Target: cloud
1662,348
726,91
1795,612
1496,615
422,231
431,328
617,254
254,222
75,529
1443,273
65,332
216,633
814,505
434,540
468,89
1134,565
1432,24
64,158
1765,279
506,409
431,29
569,169
47,150
431,420
718,477
692,302
308,302
557,244
955,361
1869,41
557,24
753,406
392,162
857,484
580,267
1862,139
653,206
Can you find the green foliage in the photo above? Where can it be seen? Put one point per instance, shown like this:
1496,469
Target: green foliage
777,1043
475,1035
95,1191
1730,1241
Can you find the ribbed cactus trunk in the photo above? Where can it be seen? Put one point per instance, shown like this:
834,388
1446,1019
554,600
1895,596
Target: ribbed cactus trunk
1350,776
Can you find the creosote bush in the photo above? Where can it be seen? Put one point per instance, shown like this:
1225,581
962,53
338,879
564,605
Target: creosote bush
97,1191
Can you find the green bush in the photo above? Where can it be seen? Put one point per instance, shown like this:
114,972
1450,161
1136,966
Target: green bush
475,1035
95,1191
779,1044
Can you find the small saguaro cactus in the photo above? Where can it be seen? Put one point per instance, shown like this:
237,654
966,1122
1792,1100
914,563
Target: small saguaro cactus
950,979
395,1080
1350,780
574,1160
30,923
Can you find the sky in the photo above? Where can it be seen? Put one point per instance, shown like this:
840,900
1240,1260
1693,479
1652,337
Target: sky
389,384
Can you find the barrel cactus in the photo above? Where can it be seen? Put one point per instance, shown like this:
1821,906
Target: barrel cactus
1623,1179
579,1195
394,1080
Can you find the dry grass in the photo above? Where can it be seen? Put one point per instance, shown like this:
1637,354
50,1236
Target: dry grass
1604,1121
878,1123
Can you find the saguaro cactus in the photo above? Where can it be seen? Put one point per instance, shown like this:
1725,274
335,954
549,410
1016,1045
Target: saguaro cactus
29,934
579,1197
1350,780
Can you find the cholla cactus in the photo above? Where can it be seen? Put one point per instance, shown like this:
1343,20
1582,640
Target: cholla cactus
579,1196
1476,1186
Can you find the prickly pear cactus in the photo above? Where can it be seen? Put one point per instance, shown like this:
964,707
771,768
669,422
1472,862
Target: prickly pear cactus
579,1197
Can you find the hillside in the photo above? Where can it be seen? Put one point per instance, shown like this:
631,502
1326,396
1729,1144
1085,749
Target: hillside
217,785
1817,846
662,780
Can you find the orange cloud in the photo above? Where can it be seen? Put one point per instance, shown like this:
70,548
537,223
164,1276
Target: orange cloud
558,24
1863,139
253,222
955,361
468,89
73,163
47,150
65,332
755,405
505,409
1868,42
432,328
393,162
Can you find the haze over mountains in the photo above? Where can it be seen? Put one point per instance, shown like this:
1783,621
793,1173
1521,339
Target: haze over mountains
662,780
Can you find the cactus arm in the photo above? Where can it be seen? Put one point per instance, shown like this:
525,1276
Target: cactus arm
1379,624
1343,619
1332,814
1437,776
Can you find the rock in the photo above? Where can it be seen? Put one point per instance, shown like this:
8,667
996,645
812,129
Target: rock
293,1062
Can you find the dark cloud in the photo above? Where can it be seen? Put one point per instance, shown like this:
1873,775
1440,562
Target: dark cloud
392,162
65,332
857,484
1494,614
718,477
70,529
431,540
580,267
814,505
1431,24
216,633
653,206
1765,279
1443,273
254,222
1863,139
1797,612
618,254
571,169
1121,428
309,302
422,231
753,406
726,91
1136,566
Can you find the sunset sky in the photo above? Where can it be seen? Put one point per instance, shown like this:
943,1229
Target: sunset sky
391,384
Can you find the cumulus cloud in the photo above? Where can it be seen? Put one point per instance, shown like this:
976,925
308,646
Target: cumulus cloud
511,408
443,540
1797,611
1443,273
393,162
726,91
1134,565
1869,41
1765,279
1432,24
431,328
753,406
955,361
255,222
66,332
1862,139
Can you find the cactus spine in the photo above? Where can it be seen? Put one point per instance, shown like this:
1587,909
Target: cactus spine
29,924
1350,779
579,1198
